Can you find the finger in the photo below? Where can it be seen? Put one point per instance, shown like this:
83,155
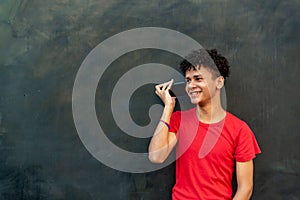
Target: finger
167,85
160,86
158,93
164,86
170,83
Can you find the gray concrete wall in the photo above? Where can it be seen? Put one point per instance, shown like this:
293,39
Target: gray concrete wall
43,44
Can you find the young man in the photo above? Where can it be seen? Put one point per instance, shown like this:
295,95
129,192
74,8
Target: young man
210,142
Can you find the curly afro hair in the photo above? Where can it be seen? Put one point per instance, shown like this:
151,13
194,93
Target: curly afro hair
209,58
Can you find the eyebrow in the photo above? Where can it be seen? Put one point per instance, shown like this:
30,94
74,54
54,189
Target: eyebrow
196,76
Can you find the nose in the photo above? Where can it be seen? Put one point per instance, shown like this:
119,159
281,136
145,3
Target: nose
190,85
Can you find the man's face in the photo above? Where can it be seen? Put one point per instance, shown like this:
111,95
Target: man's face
200,86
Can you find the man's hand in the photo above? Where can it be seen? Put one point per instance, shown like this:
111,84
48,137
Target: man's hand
162,90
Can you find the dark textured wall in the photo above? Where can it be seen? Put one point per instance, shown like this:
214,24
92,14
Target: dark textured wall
43,44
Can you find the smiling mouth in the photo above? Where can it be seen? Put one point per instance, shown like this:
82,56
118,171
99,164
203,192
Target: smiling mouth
194,93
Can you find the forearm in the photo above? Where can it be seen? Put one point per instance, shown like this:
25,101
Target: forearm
243,193
159,147
244,175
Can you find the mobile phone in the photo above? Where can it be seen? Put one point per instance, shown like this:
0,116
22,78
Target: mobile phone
178,89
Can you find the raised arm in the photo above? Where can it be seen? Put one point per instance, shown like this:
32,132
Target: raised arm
163,141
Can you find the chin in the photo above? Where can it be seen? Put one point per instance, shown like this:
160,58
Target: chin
195,101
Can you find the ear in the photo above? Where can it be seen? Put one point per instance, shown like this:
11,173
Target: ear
220,82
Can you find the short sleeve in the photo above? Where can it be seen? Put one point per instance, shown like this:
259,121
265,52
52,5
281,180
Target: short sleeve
175,122
246,145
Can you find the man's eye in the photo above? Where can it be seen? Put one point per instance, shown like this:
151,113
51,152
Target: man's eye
187,80
199,79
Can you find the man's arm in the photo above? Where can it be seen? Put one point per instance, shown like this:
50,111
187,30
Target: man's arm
163,141
244,175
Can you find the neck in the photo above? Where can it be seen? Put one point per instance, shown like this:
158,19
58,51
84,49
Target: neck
210,113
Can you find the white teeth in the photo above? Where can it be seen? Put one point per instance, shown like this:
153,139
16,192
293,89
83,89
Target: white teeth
194,93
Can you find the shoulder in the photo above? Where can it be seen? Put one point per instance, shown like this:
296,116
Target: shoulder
236,125
234,120
185,115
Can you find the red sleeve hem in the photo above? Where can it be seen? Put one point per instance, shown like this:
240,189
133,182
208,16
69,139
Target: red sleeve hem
246,158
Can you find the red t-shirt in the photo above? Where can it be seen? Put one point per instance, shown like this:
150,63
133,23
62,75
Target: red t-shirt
206,155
